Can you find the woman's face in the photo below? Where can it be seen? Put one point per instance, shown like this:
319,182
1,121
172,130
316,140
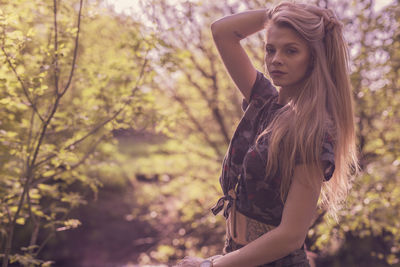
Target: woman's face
287,57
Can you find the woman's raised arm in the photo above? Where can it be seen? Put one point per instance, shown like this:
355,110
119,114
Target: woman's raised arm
227,33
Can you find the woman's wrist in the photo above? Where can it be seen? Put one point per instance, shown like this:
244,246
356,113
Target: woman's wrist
210,262
241,24
216,261
264,17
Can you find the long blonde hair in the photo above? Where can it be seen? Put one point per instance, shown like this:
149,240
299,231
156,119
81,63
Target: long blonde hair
322,106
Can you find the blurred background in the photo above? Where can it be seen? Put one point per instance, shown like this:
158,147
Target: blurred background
116,115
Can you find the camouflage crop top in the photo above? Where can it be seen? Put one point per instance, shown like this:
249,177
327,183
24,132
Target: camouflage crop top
243,168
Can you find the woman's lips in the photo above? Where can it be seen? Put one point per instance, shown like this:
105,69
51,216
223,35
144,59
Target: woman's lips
277,74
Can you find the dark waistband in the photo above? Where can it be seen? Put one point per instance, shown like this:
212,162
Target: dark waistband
297,258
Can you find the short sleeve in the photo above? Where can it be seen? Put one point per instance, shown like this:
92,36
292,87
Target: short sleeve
328,157
262,90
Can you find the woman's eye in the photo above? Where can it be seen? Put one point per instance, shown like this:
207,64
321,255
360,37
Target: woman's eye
291,51
269,50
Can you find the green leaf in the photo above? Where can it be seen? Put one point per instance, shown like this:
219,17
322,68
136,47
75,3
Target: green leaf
20,221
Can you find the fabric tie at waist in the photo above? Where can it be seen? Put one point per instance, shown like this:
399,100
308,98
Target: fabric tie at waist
231,197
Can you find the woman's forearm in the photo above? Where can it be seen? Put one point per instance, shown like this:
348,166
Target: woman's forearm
270,247
241,25
227,33
297,215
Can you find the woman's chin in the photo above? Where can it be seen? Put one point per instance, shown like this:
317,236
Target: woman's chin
276,82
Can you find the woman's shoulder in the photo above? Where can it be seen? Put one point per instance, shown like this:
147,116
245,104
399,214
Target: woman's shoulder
261,92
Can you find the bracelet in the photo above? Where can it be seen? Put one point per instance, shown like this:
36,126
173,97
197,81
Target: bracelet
206,263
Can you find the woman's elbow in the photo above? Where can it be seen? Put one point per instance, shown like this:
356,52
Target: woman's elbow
299,243
214,28
297,240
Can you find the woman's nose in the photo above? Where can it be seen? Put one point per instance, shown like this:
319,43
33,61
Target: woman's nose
277,59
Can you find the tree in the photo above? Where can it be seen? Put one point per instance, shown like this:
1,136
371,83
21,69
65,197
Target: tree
63,93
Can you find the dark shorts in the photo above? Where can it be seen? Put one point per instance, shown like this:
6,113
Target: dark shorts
297,258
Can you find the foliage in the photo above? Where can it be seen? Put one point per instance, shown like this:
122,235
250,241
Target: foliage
67,83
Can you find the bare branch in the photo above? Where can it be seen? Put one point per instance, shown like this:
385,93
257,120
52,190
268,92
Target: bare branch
212,105
8,212
29,141
36,225
198,126
88,153
81,161
198,87
48,238
198,67
75,50
56,68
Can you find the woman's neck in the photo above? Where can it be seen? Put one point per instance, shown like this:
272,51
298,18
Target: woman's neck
283,97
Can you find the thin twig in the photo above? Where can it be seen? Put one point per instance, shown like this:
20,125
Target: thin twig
88,153
83,159
48,238
198,126
75,51
29,141
56,68
8,212
35,222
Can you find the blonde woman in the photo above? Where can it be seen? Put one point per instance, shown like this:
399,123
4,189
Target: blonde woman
295,144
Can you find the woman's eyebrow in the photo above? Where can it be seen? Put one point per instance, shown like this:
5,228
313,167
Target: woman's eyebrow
292,43
285,44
